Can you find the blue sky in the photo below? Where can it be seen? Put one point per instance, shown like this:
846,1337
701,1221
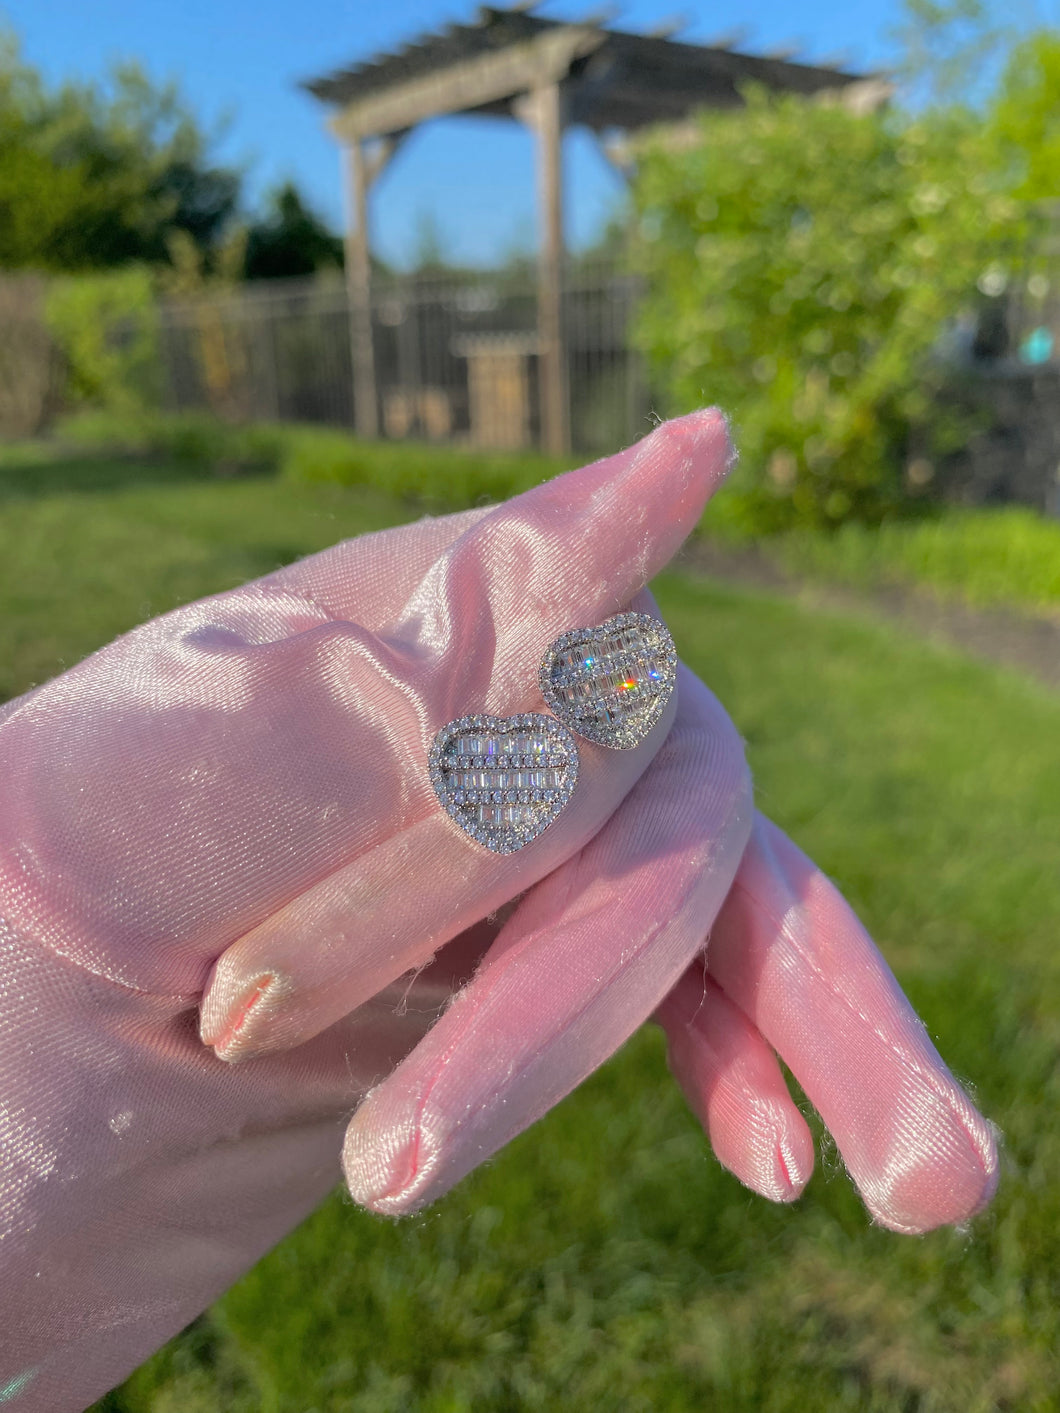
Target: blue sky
243,59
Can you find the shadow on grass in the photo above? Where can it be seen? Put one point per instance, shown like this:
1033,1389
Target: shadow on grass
34,472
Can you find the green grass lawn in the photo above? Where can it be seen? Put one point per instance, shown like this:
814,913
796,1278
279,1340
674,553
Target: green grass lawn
604,1261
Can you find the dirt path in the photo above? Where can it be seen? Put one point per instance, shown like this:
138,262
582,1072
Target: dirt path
1022,641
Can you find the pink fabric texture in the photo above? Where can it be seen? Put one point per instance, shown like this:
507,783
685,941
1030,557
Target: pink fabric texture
218,843
789,952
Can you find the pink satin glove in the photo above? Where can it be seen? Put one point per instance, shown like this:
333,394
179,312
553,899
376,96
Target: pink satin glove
230,806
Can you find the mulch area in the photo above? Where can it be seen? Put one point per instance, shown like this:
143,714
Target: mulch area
1025,642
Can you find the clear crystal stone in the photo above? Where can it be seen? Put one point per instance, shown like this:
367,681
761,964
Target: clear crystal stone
611,683
503,780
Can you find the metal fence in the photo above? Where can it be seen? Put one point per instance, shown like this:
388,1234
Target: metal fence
456,356
456,359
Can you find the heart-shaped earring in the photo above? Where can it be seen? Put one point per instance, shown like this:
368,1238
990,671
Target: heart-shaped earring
504,779
611,683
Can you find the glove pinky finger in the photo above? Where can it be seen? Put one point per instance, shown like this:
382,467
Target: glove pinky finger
735,1087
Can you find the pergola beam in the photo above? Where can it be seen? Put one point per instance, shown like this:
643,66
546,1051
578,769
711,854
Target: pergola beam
469,84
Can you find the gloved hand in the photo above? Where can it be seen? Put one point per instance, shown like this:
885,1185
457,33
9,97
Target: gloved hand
230,806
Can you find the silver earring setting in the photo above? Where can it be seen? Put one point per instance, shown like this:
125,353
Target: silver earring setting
611,684
504,779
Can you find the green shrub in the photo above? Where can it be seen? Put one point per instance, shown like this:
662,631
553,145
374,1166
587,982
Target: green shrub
443,477
802,262
106,327
184,436
446,478
314,456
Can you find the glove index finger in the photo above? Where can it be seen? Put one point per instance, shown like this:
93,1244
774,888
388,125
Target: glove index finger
370,578
568,554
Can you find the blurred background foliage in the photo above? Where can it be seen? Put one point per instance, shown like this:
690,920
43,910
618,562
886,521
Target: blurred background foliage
95,176
827,275
122,375
814,269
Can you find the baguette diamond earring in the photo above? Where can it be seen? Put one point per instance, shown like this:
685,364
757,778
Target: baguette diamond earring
504,779
610,684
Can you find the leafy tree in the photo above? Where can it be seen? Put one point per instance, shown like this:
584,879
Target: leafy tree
36,199
802,263
813,269
92,178
290,240
1024,118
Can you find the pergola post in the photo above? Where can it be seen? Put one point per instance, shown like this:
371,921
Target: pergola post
359,286
363,168
543,111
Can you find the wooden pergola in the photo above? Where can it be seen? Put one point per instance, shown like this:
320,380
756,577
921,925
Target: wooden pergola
549,75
